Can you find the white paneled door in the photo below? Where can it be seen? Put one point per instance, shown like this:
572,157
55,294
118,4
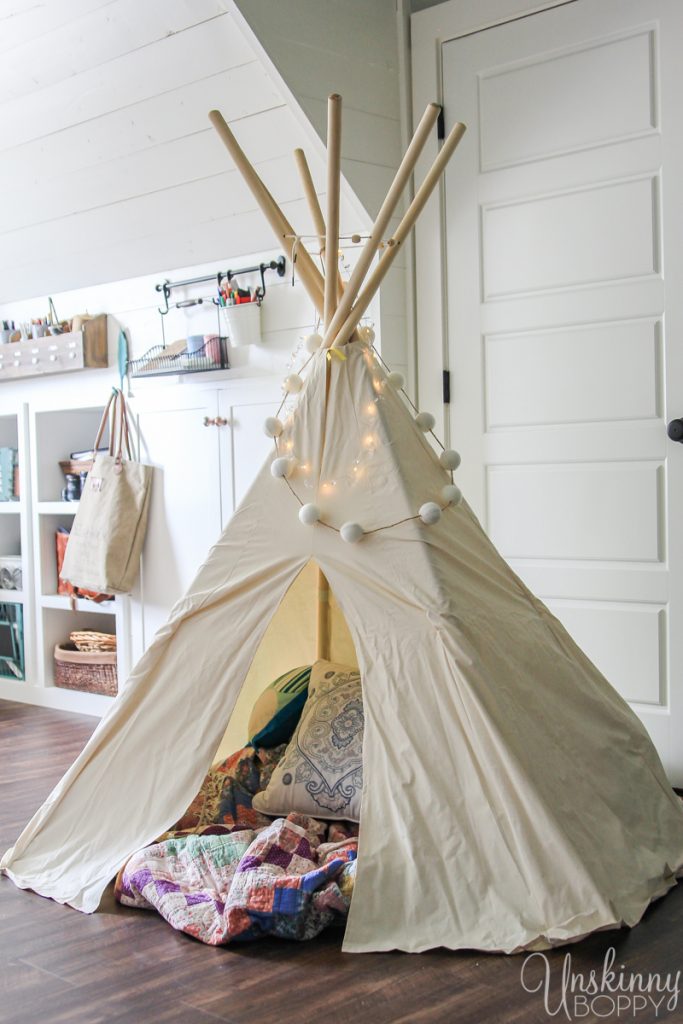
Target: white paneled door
565,290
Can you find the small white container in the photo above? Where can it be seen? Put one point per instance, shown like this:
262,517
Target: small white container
244,323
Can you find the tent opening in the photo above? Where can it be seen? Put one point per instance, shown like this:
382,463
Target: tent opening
291,640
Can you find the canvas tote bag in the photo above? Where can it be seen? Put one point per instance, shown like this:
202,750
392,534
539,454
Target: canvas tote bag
109,527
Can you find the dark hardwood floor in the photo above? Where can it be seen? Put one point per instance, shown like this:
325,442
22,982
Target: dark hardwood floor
126,965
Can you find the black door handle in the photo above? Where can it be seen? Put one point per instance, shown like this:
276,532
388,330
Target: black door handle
675,430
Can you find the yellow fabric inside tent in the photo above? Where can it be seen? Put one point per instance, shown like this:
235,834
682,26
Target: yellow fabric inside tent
289,641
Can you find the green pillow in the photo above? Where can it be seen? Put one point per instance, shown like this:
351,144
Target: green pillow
277,711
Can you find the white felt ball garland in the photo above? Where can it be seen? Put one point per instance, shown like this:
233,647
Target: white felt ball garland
292,384
351,532
425,421
429,513
273,426
450,459
282,467
309,514
451,494
396,379
312,342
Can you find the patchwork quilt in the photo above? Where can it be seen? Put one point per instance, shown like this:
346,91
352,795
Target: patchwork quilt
226,873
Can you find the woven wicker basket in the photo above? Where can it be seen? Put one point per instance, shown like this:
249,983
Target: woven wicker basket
88,671
91,640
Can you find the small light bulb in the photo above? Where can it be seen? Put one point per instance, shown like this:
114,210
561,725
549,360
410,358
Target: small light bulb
371,409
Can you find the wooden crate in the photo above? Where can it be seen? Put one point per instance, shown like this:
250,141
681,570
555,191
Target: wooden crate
59,353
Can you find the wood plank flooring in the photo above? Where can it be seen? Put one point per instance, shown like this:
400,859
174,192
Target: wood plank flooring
127,965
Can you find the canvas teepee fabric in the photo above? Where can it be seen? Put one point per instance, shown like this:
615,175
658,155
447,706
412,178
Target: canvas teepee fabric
510,796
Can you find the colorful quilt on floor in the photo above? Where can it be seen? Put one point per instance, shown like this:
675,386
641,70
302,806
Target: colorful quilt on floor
290,879
225,872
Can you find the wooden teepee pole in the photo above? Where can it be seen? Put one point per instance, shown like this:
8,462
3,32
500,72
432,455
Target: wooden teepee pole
323,618
311,194
313,204
311,277
401,233
334,105
381,223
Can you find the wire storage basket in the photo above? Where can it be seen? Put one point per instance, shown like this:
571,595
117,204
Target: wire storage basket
160,359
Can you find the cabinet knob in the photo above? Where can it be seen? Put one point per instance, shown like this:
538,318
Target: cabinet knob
220,422
208,422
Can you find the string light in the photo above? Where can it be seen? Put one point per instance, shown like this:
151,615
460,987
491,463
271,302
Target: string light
366,334
286,465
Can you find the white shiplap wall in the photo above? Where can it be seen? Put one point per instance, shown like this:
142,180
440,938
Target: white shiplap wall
110,172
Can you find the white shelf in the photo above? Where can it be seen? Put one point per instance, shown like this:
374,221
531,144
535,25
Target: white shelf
57,508
11,508
94,704
12,596
61,602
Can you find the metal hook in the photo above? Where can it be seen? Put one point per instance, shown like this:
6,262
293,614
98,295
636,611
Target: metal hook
164,287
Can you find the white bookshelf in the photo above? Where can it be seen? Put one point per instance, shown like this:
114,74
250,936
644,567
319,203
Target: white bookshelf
16,537
45,436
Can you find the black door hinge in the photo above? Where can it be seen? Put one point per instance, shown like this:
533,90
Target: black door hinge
441,125
446,387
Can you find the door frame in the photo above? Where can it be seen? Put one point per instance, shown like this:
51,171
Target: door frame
431,29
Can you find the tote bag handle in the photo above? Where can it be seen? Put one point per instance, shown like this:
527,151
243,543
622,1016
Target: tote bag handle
120,430
119,433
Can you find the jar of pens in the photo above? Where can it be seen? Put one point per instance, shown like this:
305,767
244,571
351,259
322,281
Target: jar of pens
241,310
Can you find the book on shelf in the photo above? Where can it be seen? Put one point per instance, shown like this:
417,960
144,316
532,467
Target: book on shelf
9,475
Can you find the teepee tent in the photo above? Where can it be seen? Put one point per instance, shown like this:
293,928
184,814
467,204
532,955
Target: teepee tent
511,798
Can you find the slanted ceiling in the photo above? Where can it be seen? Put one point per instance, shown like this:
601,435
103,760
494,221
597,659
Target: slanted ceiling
345,46
109,168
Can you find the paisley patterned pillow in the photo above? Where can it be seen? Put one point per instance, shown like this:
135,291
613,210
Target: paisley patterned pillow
321,773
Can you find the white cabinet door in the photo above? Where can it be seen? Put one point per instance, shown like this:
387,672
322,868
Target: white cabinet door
244,444
185,512
565,261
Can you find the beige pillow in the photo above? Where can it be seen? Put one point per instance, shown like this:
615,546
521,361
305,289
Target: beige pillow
321,773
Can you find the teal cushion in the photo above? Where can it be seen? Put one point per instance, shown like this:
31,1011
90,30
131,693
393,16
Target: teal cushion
277,711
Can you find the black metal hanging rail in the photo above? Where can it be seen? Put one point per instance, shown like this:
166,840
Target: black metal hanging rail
166,287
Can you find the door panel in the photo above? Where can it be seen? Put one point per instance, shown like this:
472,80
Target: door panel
565,331
184,517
